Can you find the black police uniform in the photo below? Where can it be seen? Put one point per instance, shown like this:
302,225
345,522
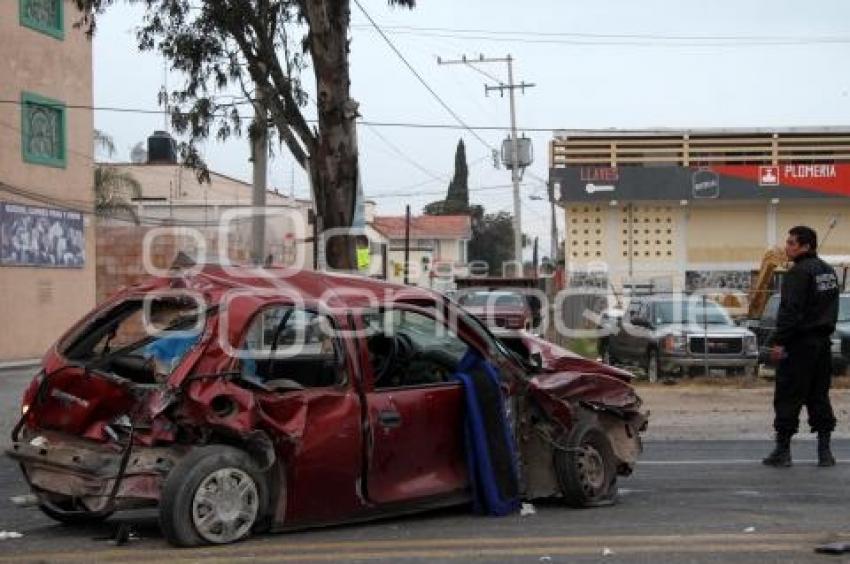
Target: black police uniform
808,312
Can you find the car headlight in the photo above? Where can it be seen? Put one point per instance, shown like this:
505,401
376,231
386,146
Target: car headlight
751,344
675,343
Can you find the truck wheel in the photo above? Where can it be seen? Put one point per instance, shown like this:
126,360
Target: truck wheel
59,511
214,495
586,469
653,369
605,352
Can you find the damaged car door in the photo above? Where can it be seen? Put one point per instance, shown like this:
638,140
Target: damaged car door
415,408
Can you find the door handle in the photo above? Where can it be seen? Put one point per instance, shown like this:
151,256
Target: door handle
389,418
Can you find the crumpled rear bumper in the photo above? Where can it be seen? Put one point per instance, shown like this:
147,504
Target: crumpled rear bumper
58,465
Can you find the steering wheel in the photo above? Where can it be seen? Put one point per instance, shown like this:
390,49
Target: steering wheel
383,349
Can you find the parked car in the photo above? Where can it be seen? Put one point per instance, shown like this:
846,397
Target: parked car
767,325
288,399
667,335
498,308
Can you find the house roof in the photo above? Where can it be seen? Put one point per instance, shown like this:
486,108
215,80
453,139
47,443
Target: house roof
425,226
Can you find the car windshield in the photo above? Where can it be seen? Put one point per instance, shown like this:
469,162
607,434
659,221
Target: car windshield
492,299
680,311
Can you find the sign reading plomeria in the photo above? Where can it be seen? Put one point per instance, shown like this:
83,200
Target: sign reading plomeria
717,182
39,236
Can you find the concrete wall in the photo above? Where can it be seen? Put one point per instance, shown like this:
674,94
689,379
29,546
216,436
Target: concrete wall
38,304
443,250
727,237
180,184
725,233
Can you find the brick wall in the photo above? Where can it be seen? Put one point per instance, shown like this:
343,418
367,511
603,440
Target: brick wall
120,260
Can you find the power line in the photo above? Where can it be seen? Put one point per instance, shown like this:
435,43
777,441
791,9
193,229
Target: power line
405,157
414,194
606,38
419,77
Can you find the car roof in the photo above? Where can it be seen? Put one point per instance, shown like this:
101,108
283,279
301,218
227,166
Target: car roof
332,289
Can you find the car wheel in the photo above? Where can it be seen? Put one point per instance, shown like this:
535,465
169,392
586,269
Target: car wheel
653,370
68,512
214,495
586,469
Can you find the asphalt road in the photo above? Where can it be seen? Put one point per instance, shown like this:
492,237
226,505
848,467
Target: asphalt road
689,501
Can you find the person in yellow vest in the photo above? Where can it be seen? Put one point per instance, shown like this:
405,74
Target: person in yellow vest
363,256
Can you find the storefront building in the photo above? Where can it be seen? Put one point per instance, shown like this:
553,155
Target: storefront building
684,210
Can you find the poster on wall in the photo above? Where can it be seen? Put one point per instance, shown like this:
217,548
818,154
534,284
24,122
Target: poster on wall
738,280
39,236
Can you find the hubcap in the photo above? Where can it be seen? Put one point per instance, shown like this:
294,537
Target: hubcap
225,506
591,469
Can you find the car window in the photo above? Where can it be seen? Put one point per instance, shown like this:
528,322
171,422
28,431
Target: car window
844,309
409,348
286,347
771,309
160,331
687,311
492,299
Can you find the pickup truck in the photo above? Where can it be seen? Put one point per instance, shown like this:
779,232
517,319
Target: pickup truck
767,325
668,334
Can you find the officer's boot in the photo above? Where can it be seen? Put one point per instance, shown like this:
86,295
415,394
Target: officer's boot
825,457
781,455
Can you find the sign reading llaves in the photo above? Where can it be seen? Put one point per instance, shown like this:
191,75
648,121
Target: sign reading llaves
724,182
38,236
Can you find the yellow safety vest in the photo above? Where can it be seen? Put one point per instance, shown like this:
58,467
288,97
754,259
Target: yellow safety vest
363,258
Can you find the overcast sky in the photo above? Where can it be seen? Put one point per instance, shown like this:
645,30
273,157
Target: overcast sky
596,64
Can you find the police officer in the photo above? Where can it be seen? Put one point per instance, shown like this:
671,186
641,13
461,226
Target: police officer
808,311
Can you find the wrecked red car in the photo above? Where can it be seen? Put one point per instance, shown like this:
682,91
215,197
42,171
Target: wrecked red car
241,399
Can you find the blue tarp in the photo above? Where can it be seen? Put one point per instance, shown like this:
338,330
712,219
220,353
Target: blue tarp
490,449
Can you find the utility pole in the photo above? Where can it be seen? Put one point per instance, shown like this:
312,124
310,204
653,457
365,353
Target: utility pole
553,227
259,153
515,170
407,246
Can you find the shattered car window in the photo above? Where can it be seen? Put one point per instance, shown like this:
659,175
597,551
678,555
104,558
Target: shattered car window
143,340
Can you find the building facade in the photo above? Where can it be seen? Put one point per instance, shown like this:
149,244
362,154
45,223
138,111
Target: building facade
437,250
685,210
187,215
47,252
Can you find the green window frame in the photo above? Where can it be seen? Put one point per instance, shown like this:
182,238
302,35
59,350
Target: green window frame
57,30
30,101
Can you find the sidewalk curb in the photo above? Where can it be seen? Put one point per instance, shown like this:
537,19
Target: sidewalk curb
10,365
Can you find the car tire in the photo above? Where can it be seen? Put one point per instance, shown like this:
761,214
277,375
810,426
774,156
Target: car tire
605,352
209,475
653,368
57,510
586,469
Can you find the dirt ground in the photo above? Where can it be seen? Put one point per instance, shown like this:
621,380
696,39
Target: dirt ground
725,410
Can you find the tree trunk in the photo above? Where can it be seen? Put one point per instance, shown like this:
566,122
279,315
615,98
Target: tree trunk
333,164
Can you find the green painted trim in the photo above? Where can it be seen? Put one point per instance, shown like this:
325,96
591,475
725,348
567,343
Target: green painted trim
56,32
35,99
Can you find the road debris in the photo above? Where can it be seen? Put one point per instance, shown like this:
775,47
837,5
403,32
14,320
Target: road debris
750,530
26,500
607,552
527,509
6,535
833,548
